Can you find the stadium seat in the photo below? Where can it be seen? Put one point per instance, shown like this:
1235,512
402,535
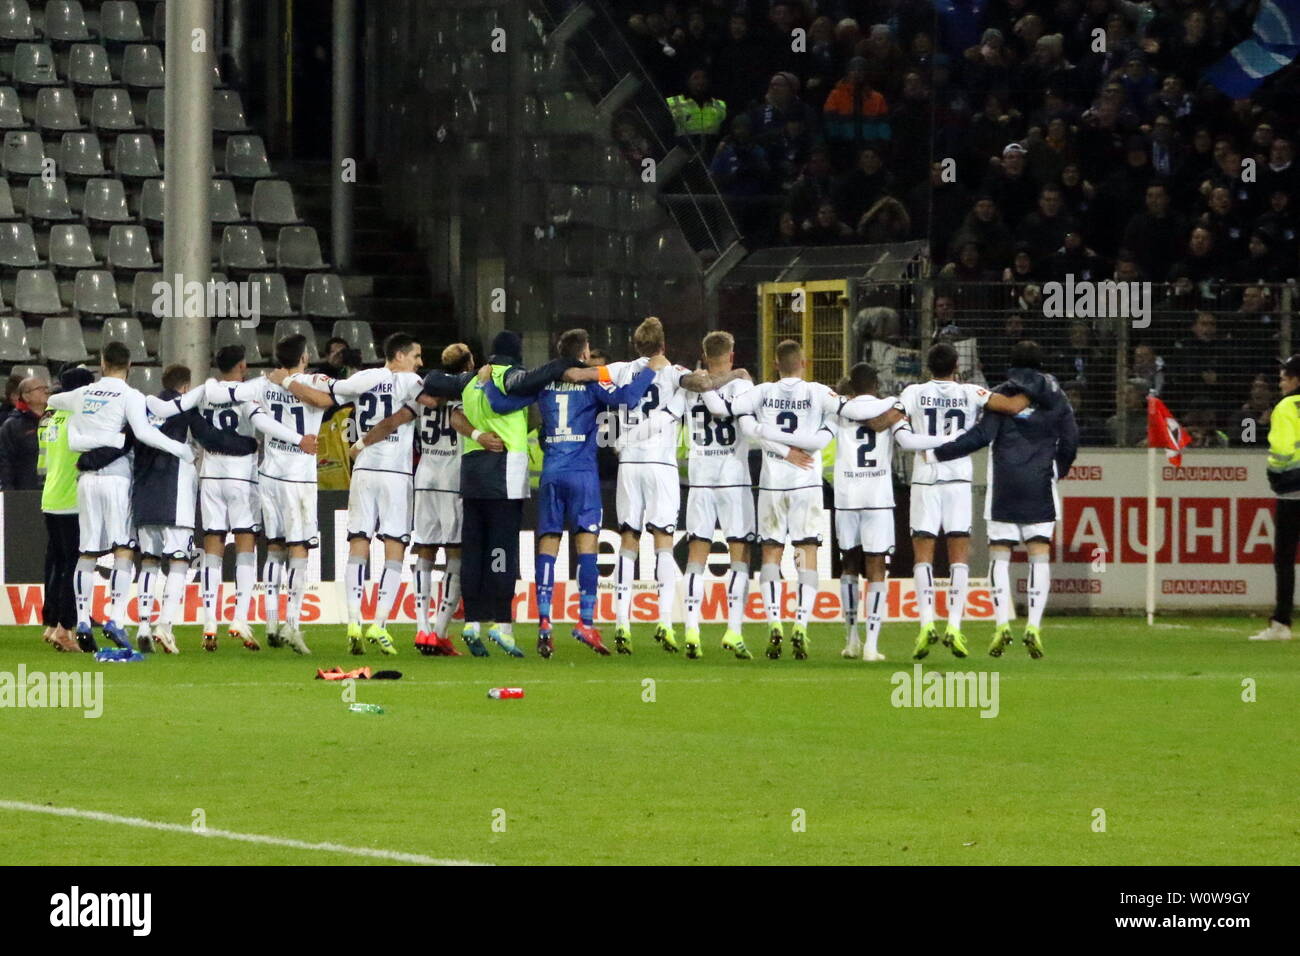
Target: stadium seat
111,111
234,332
159,28
359,335
7,210
142,294
119,22
246,158
228,112
145,378
24,153
105,201
37,293
56,109
81,155
34,65
62,340
152,202
323,298
47,199
13,339
155,111
128,248
95,293
70,247
142,66
32,371
11,109
18,246
16,21
242,249
88,66
224,205
273,295
301,327
298,248
65,22
273,204
136,157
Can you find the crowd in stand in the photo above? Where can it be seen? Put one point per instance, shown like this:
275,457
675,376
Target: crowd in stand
1025,140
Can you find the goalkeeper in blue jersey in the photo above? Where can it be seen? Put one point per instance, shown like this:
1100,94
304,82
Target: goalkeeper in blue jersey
569,493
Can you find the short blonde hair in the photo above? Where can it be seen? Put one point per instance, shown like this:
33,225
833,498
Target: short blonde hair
455,355
719,344
648,339
788,354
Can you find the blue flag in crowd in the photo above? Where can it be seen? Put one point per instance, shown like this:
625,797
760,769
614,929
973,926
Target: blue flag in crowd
1275,43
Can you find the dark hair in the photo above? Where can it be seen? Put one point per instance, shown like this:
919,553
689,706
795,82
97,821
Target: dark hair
396,343
116,356
572,343
228,356
1026,354
11,385
863,379
289,350
941,359
335,340
174,376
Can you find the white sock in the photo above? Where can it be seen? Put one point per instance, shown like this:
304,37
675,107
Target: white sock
174,598
423,594
1000,581
355,582
694,594
957,589
875,613
737,592
119,587
450,597
1040,586
850,588
83,580
626,574
144,594
666,574
245,581
296,586
807,594
923,573
273,577
210,569
769,578
389,582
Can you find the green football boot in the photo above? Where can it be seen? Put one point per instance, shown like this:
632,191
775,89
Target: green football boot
929,635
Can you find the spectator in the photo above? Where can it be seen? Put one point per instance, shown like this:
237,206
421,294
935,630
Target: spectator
984,227
1224,223
1280,173
334,359
1204,363
1200,262
1121,191
1153,236
1259,264
824,68
988,65
1203,429
740,165
939,205
1257,409
1091,431
886,221
1050,152
1256,328
18,438
1022,269
788,232
10,396
863,187
886,62
813,185
990,129
1081,361
698,115
740,64
1279,221
1045,228
1128,427
855,113
1150,368
779,107
1074,259
911,126
1010,184
826,228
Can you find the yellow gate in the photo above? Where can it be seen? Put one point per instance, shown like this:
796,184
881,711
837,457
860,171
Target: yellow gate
811,313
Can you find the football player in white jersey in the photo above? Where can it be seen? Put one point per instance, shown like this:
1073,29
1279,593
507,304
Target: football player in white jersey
649,492
864,500
286,481
230,501
381,497
99,413
941,496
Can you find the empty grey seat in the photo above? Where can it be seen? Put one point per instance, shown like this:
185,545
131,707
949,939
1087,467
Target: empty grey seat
11,109
286,327
81,155
273,203
145,378
159,29
234,332
13,340
228,112
32,371
142,66
155,111
128,248
56,109
48,199
62,341
16,20
88,66
242,248
105,201
95,293
359,335
152,202
223,204
34,65
119,22
246,158
323,298
298,248
273,296
70,247
18,246
110,109
65,21
7,210
136,156
37,293
143,296
24,153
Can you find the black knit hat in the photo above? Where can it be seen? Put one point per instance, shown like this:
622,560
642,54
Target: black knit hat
508,344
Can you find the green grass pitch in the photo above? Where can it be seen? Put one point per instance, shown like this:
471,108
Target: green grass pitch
732,763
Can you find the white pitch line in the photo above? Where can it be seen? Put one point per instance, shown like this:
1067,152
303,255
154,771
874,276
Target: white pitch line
394,855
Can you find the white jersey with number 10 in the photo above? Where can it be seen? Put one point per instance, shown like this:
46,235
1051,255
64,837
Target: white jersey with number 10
942,408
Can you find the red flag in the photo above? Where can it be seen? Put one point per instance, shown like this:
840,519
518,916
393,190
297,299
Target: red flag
1163,431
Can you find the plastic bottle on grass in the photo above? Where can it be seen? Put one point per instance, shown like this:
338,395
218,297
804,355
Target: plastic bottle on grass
506,693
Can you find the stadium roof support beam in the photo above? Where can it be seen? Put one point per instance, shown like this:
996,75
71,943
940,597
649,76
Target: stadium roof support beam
344,131
187,240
